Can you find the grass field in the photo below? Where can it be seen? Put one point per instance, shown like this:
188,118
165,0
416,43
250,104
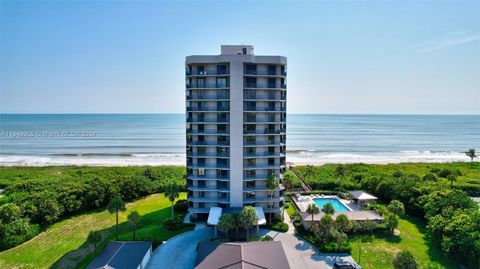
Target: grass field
377,251
63,245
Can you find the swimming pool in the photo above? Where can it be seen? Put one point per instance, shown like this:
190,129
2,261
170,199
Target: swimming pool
337,205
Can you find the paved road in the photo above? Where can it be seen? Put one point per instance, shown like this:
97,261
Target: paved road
180,252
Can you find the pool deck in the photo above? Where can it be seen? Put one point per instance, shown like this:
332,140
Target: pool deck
303,201
355,213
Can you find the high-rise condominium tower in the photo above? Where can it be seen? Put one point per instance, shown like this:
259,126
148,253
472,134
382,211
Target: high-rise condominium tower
236,130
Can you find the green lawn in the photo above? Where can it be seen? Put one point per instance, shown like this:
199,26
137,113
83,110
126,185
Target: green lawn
377,251
63,244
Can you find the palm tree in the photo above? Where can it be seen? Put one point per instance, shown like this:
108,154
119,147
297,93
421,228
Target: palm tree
248,218
472,154
312,209
328,209
94,237
308,171
288,180
172,192
452,178
115,205
396,207
226,223
272,185
134,218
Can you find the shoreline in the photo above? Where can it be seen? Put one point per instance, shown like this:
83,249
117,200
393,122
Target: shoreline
297,157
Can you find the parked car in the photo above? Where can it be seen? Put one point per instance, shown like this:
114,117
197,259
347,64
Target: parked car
346,265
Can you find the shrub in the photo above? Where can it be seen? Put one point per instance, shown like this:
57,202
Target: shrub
333,247
430,177
181,206
404,260
279,227
174,224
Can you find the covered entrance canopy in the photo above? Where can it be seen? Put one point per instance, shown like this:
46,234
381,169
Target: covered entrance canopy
216,212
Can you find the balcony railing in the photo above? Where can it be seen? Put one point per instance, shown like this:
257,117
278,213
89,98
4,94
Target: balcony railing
221,108
208,155
268,109
208,143
259,96
208,73
203,120
265,131
208,97
203,86
208,132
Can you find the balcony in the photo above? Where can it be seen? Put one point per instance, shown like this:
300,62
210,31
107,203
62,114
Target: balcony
208,199
262,155
266,131
263,109
261,73
211,121
254,96
208,143
208,132
262,166
208,73
203,86
208,109
208,155
209,97
206,178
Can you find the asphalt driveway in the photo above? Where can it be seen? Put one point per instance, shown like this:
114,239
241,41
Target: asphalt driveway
180,252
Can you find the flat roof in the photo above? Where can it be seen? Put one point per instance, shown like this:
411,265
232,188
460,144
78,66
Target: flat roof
362,195
251,255
216,212
121,255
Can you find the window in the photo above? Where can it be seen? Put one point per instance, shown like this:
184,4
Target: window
223,105
250,173
271,83
251,140
200,83
272,70
250,184
251,82
201,184
201,172
201,70
201,128
222,117
222,128
244,51
222,82
221,69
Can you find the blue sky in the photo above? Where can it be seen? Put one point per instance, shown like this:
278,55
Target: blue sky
344,57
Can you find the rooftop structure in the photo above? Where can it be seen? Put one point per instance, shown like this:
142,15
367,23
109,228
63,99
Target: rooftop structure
123,255
235,129
241,255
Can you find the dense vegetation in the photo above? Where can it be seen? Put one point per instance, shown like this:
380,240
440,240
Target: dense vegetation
64,244
436,192
35,197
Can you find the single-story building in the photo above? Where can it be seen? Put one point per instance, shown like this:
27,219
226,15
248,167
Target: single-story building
123,255
362,215
361,198
251,255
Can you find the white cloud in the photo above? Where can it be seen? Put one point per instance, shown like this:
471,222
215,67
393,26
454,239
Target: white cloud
451,42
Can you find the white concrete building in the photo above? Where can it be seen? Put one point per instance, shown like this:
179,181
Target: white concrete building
236,129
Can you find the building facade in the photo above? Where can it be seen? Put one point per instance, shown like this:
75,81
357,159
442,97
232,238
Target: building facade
235,129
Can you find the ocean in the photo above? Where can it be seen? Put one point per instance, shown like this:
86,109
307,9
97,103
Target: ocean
159,139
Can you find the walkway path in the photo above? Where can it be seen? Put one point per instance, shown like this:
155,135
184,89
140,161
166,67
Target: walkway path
287,220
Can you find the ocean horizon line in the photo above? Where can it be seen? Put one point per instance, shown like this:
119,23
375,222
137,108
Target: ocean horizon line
303,114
